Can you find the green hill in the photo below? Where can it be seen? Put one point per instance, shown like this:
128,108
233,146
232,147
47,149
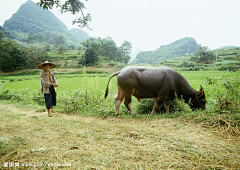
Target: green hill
227,59
79,34
32,18
13,34
227,47
174,50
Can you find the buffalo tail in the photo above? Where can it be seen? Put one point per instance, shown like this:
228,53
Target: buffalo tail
106,92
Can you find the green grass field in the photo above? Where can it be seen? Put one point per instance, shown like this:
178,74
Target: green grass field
84,133
76,81
78,91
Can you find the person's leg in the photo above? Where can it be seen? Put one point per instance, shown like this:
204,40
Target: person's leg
48,101
53,110
54,100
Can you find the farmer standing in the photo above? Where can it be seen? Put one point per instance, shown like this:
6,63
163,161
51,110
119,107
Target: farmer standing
48,84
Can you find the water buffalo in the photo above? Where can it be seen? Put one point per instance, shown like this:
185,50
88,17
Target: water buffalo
162,83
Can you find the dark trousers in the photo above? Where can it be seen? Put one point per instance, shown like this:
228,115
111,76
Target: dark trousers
50,99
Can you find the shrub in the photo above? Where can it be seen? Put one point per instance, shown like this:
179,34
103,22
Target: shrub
38,97
145,106
229,68
176,105
65,63
117,64
226,93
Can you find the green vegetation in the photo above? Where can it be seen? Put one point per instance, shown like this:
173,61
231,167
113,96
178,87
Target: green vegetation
18,37
40,36
226,47
85,134
123,142
37,35
180,56
32,18
12,56
205,59
79,34
87,90
73,6
98,49
91,52
174,50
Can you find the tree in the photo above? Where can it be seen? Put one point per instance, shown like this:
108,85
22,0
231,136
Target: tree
127,49
17,57
93,43
56,41
92,46
73,6
203,54
47,48
10,55
40,38
62,42
71,47
33,56
89,58
30,38
1,36
108,49
80,47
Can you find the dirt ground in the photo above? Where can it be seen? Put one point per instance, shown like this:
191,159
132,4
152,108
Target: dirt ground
30,139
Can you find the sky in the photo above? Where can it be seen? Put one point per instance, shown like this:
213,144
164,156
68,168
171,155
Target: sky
148,24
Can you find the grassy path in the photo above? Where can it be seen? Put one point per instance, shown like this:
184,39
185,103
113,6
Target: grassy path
78,142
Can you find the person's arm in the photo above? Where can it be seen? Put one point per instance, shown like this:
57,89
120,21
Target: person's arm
54,81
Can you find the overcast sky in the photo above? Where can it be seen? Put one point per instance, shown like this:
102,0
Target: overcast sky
148,24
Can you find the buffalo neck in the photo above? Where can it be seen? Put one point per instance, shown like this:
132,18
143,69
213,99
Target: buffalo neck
184,89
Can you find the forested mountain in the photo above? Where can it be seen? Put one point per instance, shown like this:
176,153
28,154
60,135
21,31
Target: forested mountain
174,50
33,18
13,34
79,34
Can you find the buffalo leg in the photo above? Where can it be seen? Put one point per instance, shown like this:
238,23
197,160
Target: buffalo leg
119,100
166,106
128,104
156,105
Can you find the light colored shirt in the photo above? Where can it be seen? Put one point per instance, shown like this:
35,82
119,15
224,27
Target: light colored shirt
45,84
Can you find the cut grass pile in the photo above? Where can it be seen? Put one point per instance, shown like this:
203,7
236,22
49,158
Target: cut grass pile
97,142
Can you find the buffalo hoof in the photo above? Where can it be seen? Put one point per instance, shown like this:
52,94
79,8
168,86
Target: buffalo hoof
133,114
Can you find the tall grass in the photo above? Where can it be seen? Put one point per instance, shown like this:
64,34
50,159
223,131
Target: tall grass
84,94
78,94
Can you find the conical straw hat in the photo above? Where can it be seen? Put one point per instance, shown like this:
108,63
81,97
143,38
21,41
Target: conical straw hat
42,66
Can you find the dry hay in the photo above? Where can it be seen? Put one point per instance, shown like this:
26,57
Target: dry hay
225,128
113,142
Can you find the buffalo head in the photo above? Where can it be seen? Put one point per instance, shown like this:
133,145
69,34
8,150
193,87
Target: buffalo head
199,101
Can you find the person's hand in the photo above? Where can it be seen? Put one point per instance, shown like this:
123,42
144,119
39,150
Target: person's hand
55,84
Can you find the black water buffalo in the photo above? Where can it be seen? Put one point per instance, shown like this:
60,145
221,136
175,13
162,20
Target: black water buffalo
162,83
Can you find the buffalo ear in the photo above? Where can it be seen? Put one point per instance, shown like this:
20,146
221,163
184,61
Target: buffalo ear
200,93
